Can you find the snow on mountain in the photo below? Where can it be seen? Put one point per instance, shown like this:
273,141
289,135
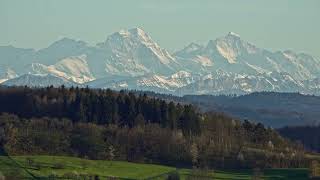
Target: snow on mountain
150,82
183,78
191,50
61,49
181,74
40,80
156,81
235,55
221,82
6,73
133,52
16,58
226,49
75,69
131,59
313,86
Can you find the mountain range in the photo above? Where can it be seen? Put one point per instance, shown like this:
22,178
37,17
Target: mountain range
131,59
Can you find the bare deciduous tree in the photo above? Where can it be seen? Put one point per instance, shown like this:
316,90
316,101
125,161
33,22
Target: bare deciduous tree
111,154
194,154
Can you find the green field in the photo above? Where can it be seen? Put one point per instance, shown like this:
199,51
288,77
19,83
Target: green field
42,167
293,174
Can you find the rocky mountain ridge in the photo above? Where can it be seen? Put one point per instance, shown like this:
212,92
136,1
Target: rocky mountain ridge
131,59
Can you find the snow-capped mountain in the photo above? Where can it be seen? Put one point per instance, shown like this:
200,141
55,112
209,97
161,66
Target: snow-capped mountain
149,82
221,82
233,54
313,86
6,73
39,80
131,59
75,69
61,49
133,52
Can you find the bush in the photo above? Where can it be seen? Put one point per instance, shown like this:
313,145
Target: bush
173,176
257,174
29,161
32,164
53,175
314,169
2,176
96,177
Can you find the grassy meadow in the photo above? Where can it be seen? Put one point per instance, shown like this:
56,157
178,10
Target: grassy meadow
52,167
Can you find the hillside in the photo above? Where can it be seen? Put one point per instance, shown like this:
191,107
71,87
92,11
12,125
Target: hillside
271,109
308,135
33,167
93,123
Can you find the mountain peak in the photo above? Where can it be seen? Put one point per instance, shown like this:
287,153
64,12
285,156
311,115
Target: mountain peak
181,74
133,33
193,45
140,34
67,42
232,34
137,30
192,48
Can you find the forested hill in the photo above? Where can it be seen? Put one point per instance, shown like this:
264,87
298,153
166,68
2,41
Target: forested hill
307,135
270,108
98,106
92,123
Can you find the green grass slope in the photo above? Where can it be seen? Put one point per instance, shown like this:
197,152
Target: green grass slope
45,166
268,174
41,167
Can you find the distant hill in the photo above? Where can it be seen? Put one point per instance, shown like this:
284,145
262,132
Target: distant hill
102,124
270,108
308,135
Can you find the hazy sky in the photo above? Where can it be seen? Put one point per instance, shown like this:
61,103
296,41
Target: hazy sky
272,24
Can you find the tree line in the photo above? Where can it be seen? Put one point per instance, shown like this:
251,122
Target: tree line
309,136
89,122
99,107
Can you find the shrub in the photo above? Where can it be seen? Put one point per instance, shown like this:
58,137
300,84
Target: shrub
2,176
29,161
257,174
53,175
32,164
314,169
173,176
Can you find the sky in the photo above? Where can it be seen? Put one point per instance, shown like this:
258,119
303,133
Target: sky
270,24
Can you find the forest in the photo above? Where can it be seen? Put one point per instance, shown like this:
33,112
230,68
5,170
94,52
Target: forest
307,135
105,124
